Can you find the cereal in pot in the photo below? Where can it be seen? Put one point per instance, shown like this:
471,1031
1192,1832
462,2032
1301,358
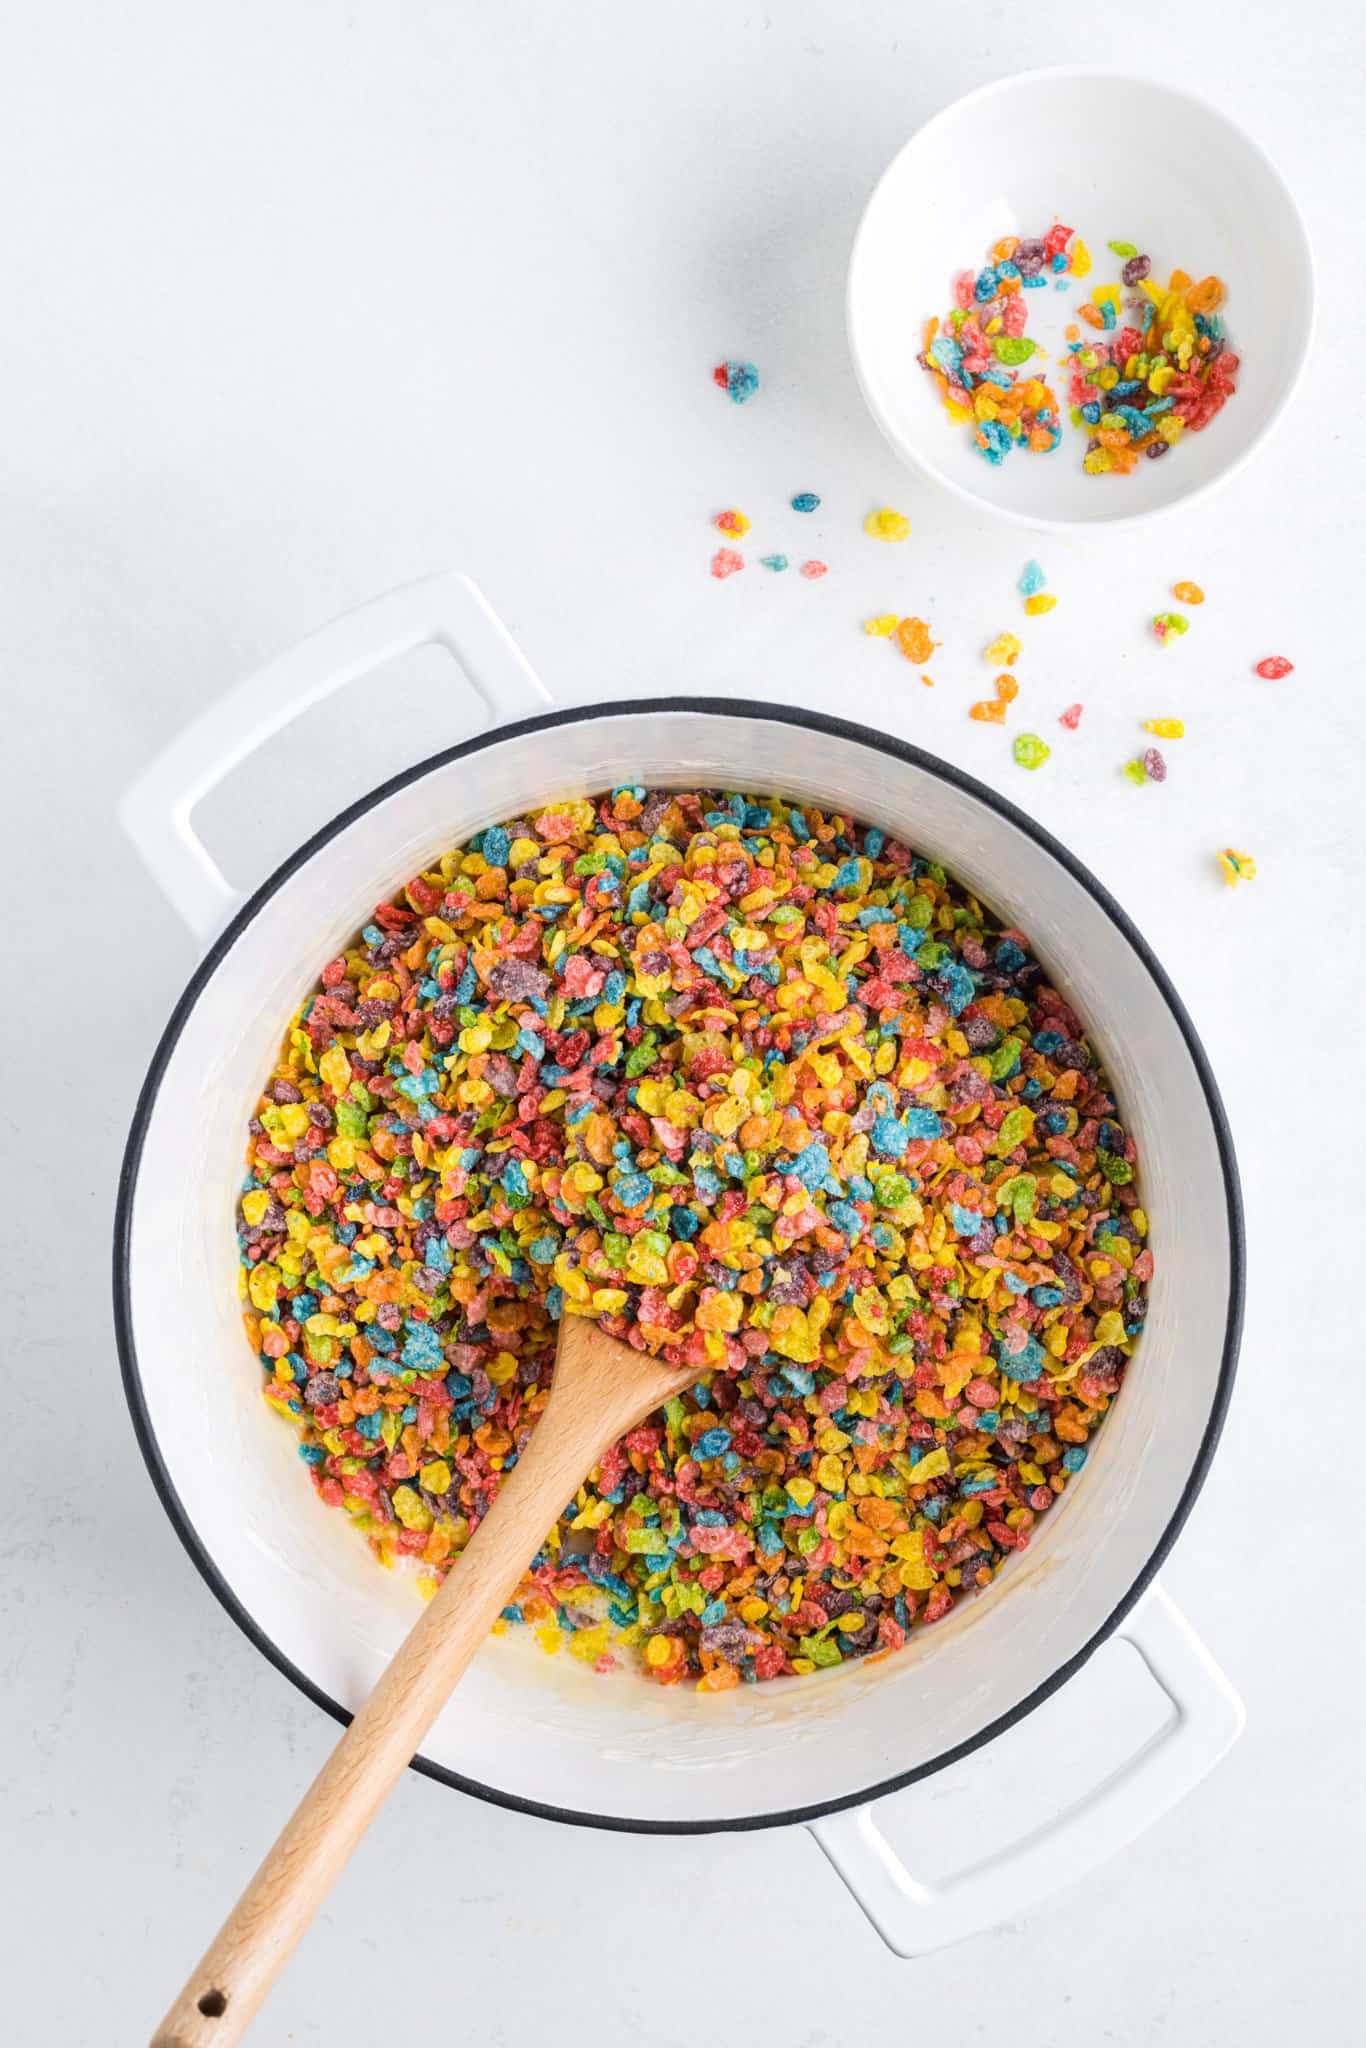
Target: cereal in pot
762,1089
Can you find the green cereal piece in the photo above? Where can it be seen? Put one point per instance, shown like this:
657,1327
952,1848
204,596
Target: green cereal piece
1029,750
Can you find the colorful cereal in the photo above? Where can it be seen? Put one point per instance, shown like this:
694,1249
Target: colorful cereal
805,501
814,570
739,379
887,525
1169,626
1166,371
1274,667
1235,867
1042,601
1032,579
732,522
1071,718
725,562
1030,751
775,562
765,1091
992,711
1188,593
976,356
882,627
913,638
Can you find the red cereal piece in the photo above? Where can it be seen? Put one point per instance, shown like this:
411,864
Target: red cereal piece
1274,667
1071,718
813,571
1057,239
725,562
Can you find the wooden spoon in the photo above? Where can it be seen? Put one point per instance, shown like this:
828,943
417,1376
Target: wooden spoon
600,1389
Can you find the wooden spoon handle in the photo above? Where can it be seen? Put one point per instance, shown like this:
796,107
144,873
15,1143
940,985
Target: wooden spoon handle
259,1935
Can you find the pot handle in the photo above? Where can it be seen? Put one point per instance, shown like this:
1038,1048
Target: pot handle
156,811
915,1918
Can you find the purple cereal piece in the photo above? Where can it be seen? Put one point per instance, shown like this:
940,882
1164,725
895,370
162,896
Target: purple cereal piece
517,981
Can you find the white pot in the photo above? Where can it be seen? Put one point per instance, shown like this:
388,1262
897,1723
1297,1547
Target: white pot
554,1738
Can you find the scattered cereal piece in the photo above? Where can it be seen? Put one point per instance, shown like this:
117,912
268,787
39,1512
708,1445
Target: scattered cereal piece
725,562
1030,751
740,380
1165,728
928,681
732,522
1136,772
1274,667
1154,766
1123,248
913,638
1188,593
1236,867
993,710
805,501
813,570
1032,579
1071,718
1042,601
1081,259
887,525
1170,626
776,562
882,627
1004,650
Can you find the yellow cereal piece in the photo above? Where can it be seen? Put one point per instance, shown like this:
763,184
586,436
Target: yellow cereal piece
1004,650
1042,601
1081,258
882,627
1165,728
887,525
1236,867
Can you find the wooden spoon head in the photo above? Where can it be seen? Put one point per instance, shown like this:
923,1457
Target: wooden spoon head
616,1379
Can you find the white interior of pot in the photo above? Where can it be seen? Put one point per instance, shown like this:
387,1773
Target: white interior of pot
550,1730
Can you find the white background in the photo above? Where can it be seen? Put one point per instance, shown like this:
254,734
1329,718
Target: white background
301,300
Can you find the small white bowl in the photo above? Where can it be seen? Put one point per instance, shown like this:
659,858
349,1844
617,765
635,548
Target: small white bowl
1117,158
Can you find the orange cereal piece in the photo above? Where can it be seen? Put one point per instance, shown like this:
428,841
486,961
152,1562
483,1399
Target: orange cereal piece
1188,593
913,638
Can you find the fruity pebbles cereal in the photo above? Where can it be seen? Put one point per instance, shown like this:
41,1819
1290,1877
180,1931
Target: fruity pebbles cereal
767,1092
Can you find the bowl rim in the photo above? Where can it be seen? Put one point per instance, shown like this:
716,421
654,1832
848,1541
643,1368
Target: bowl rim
818,723
1039,522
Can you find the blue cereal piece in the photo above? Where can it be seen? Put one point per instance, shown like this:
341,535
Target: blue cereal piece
740,380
